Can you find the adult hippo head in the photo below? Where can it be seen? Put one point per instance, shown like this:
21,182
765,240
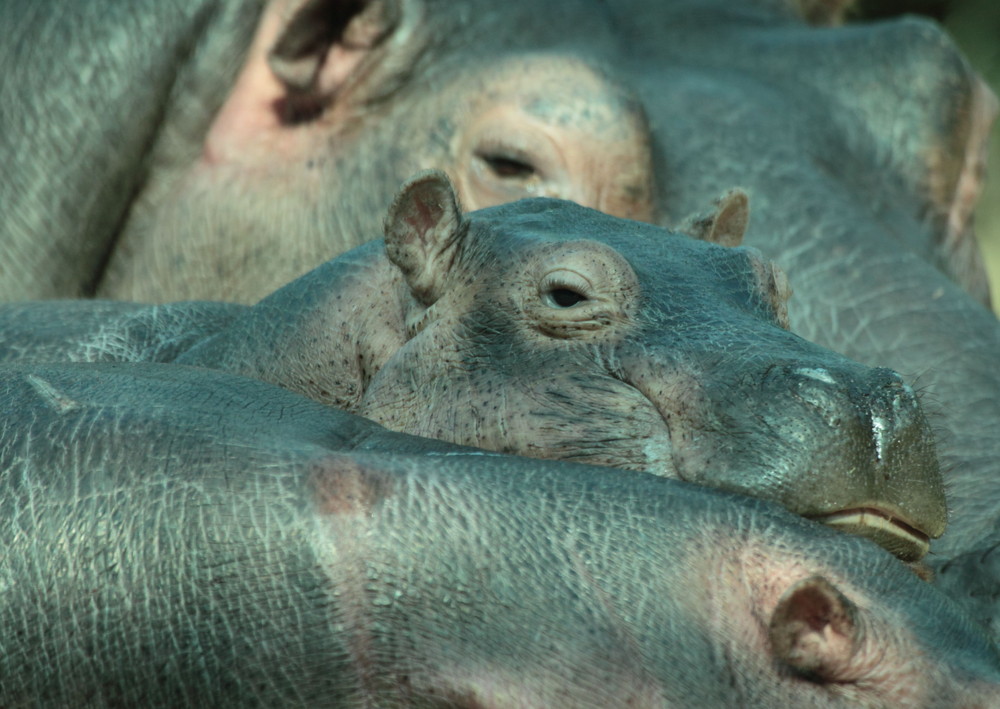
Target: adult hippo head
550,330
334,104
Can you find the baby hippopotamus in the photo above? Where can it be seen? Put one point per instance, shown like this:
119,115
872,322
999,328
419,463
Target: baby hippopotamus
546,329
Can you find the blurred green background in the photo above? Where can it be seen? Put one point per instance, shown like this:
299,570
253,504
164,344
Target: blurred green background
975,26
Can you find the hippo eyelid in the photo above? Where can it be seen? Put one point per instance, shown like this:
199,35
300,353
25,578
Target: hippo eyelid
507,161
507,167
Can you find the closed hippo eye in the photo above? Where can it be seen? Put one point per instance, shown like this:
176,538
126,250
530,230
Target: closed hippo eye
586,288
506,166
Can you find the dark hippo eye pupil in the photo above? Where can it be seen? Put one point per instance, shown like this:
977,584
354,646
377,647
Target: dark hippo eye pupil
566,298
508,167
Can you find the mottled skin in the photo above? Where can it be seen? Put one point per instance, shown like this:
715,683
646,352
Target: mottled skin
860,145
546,329
216,541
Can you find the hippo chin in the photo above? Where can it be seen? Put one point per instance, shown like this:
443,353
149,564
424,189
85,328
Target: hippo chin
547,329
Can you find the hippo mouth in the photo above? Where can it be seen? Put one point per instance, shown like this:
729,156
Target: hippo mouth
890,532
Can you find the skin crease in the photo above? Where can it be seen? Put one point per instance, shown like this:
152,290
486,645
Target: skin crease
287,559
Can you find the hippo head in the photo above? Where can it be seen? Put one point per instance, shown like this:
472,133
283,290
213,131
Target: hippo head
337,104
547,329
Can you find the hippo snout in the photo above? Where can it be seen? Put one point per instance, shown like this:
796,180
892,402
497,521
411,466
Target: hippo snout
867,452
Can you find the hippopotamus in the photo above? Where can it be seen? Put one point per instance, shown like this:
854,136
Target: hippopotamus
204,149
547,329
229,86
176,536
241,144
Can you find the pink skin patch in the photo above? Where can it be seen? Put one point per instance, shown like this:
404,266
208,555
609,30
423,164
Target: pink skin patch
420,216
343,486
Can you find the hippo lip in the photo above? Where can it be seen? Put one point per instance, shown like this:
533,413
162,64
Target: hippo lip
887,530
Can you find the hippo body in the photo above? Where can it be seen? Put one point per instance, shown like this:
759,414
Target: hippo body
256,140
861,146
540,327
217,541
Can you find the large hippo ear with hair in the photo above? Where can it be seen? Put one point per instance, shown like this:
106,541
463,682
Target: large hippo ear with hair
423,232
339,50
724,225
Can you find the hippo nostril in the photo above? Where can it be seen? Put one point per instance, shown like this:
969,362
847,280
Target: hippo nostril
878,405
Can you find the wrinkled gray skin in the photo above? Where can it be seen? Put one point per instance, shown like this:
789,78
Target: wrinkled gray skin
972,578
859,146
217,541
861,243
546,329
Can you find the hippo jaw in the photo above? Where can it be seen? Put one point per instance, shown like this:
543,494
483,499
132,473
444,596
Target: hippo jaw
888,530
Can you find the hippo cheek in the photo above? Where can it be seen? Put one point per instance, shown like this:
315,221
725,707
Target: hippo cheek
595,420
578,417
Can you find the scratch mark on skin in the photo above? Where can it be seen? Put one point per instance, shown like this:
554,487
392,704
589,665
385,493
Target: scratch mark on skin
52,396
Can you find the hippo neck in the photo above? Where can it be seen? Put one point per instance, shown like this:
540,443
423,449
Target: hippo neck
324,335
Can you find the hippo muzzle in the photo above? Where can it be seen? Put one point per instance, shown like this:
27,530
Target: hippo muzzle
840,443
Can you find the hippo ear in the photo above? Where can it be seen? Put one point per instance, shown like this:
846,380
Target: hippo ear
423,232
726,224
814,630
328,47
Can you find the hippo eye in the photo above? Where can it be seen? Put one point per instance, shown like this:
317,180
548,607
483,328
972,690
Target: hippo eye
564,288
506,166
564,297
